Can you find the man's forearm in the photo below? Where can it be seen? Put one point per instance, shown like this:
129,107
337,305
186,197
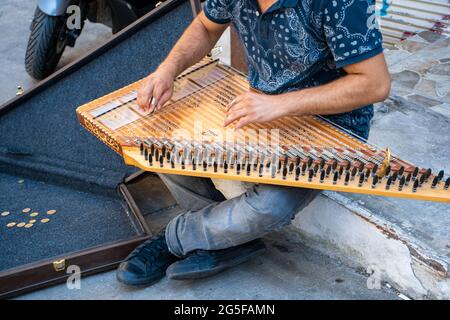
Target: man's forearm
195,43
342,95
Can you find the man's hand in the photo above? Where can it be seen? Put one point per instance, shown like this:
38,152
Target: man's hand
156,90
253,107
198,39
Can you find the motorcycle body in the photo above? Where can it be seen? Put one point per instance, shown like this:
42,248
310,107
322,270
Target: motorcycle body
58,23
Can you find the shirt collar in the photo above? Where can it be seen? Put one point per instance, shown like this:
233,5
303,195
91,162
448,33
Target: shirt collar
283,4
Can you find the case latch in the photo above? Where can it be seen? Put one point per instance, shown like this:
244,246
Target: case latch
59,265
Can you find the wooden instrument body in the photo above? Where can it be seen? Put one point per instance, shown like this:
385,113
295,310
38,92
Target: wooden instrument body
187,137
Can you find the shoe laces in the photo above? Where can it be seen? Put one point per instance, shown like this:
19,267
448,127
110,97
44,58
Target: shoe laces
150,250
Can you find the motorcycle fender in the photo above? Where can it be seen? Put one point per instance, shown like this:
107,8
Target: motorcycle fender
54,8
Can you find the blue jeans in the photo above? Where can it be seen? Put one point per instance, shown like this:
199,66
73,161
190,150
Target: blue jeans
210,222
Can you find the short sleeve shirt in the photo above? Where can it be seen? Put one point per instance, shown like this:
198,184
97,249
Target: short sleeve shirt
298,44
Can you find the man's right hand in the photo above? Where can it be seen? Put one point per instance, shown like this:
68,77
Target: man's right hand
198,39
156,90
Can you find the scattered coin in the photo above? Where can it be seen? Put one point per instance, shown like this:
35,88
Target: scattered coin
21,224
21,181
5,213
28,225
34,214
19,91
50,212
11,224
32,221
45,220
26,210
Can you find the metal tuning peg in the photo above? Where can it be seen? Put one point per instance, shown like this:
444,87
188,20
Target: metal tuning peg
310,175
434,182
361,179
335,177
388,183
447,184
297,173
401,183
374,181
347,178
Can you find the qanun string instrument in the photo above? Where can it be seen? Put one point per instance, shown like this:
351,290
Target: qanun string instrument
187,137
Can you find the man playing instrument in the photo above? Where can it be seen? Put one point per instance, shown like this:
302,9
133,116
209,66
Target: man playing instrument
305,57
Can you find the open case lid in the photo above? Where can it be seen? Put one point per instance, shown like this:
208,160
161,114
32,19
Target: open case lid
48,162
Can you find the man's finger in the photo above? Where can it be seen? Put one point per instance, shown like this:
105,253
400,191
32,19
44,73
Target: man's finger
153,103
234,116
234,102
236,107
158,91
144,96
231,104
164,98
139,99
243,122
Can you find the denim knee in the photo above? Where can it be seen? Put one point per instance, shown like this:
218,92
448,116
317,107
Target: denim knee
277,204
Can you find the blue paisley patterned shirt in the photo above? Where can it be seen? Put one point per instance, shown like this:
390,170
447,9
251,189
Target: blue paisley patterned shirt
297,44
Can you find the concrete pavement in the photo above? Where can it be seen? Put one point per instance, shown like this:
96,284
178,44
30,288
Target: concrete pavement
290,269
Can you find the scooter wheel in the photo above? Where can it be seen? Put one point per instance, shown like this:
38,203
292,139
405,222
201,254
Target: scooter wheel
46,44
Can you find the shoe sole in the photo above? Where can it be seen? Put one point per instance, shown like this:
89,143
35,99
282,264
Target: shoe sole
137,282
216,270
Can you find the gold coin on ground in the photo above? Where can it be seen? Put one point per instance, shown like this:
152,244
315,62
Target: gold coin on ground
45,220
28,225
32,221
5,213
20,225
50,212
26,210
34,214
11,224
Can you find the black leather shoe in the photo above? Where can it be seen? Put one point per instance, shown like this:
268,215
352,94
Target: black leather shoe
147,263
203,263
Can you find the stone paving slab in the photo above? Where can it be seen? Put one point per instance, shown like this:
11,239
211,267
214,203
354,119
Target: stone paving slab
420,69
